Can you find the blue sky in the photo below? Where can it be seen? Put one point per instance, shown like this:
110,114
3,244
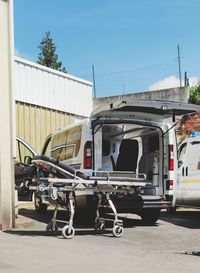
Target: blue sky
131,43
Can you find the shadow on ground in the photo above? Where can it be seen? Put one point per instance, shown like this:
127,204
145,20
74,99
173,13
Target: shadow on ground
81,219
184,218
42,233
83,222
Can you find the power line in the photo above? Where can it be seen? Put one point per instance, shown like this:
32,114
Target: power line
132,70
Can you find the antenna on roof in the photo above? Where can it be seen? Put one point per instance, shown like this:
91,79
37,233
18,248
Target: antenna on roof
186,80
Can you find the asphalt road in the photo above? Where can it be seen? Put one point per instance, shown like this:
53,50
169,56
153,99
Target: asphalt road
171,246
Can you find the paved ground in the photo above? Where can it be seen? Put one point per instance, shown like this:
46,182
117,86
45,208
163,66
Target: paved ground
173,245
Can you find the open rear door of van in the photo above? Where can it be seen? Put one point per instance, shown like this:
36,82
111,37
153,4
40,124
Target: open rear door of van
153,107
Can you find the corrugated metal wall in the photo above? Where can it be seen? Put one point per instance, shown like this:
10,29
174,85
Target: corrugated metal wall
35,123
43,86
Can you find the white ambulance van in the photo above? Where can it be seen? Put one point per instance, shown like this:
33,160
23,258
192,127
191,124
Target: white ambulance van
136,136
188,183
139,136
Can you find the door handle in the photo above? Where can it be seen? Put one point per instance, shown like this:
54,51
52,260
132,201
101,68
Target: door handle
186,171
183,171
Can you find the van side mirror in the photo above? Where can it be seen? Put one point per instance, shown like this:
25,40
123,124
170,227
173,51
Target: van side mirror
180,163
27,159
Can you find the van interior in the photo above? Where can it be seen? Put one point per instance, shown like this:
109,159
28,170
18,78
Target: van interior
129,147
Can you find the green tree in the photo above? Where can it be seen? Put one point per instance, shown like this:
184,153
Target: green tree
47,55
194,95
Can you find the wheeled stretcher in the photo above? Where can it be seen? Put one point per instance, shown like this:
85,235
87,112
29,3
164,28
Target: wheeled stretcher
61,183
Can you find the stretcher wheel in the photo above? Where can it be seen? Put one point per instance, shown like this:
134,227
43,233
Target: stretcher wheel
100,227
68,232
51,228
118,231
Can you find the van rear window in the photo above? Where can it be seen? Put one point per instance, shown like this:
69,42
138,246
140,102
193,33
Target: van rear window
66,145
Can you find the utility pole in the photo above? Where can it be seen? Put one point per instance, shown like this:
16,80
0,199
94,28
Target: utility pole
179,65
7,197
94,84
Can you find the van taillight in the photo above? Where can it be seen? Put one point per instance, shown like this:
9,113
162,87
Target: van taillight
169,185
87,164
171,157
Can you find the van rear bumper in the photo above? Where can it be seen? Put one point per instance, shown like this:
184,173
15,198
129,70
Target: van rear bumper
138,203
156,204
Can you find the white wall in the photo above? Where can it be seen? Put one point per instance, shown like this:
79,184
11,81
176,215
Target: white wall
42,86
7,197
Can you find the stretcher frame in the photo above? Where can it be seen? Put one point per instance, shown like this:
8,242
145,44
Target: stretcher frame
101,184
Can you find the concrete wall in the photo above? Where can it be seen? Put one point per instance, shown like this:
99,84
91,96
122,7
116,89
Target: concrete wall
174,94
7,201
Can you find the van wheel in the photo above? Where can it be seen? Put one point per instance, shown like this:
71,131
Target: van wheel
39,207
150,216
